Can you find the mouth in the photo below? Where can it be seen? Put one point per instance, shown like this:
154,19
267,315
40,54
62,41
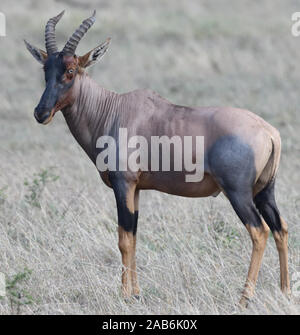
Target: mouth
49,119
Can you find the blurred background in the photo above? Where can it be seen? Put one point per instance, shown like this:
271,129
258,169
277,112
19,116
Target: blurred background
58,221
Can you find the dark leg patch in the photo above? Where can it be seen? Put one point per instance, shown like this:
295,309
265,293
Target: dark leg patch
266,204
126,219
245,208
136,216
231,162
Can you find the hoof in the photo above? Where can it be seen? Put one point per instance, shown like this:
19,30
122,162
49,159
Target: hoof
127,300
287,293
244,302
132,298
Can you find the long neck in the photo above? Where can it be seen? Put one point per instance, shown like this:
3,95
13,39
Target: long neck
92,114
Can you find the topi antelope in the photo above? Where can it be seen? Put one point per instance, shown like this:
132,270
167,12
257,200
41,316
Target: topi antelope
241,150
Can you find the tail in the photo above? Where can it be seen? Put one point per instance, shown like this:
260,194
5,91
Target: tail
275,155
270,170
265,199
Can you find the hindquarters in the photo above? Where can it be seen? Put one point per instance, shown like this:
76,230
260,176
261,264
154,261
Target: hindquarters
233,164
246,174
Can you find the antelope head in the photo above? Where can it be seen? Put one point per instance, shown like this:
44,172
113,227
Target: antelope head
61,67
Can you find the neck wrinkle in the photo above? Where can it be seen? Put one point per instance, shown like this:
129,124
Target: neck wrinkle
92,114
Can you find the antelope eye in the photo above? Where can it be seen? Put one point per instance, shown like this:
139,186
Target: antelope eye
70,71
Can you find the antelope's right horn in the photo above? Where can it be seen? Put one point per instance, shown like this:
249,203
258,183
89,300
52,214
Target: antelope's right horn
71,45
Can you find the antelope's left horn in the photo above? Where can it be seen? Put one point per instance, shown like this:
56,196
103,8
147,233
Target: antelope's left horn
50,38
71,45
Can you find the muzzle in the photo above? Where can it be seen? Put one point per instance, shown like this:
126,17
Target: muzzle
44,116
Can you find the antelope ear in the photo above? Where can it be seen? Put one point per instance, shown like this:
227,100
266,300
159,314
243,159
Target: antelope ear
40,55
94,55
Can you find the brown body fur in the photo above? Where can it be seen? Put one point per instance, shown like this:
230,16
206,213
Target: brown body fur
92,111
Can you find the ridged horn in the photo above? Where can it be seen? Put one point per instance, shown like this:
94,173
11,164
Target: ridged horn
70,47
50,39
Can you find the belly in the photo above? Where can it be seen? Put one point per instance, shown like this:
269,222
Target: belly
175,183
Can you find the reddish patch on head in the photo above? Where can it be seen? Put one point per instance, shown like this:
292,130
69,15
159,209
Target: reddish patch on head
71,63
69,59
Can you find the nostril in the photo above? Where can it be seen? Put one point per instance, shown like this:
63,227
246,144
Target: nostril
36,115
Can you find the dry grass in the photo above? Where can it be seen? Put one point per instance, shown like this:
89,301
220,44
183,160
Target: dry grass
193,254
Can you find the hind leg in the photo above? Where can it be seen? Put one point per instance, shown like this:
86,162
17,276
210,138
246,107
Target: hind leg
281,240
259,236
265,202
258,231
232,163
